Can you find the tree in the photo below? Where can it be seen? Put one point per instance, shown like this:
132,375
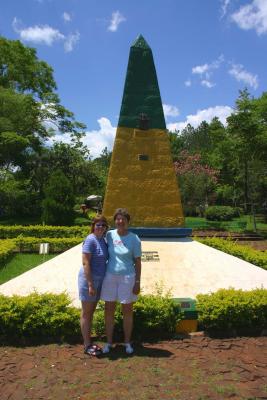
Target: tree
196,181
176,143
59,200
247,127
101,167
30,109
30,113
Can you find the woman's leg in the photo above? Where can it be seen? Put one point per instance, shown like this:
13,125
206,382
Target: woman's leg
109,319
88,309
127,311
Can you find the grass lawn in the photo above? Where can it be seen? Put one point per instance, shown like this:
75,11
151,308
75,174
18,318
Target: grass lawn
21,263
243,223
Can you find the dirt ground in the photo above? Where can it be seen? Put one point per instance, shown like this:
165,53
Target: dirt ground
197,368
255,244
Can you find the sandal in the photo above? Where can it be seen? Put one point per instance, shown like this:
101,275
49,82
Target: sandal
93,350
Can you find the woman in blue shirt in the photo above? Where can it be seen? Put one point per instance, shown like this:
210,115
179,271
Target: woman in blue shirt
122,279
90,278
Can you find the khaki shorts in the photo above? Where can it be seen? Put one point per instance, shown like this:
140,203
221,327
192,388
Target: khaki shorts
118,288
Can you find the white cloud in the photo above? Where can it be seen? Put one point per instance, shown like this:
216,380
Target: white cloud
96,140
45,34
116,19
205,71
70,41
41,34
37,34
66,16
200,69
252,16
207,83
170,111
224,6
222,112
188,83
241,75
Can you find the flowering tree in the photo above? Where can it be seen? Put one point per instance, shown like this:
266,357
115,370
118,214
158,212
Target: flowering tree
196,181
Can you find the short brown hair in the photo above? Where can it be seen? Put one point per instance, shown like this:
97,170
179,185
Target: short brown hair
98,218
123,212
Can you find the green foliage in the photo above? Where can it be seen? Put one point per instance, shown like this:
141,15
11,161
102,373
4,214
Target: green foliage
38,318
59,200
220,213
16,196
155,317
230,309
30,113
244,252
43,231
22,72
196,181
6,249
42,318
56,245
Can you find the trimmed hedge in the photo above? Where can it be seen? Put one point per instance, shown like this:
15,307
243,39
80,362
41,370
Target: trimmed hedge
56,245
38,318
43,231
234,311
45,318
155,317
246,253
220,213
7,247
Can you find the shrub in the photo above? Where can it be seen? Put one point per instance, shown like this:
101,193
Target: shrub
233,310
38,318
42,231
6,249
44,318
155,317
220,213
56,245
246,253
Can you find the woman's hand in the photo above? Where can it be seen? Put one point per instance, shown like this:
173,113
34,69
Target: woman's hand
136,288
91,289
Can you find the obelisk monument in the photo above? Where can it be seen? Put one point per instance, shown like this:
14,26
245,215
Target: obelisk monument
141,176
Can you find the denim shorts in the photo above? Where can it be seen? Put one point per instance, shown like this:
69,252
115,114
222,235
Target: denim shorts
84,290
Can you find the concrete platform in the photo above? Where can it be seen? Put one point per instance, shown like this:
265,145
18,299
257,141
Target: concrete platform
184,266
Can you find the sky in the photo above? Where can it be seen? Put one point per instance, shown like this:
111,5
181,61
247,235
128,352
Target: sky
205,52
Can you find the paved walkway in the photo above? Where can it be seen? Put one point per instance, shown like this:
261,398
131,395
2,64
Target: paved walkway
193,369
184,266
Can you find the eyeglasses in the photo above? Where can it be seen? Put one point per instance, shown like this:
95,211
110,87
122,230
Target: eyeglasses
100,225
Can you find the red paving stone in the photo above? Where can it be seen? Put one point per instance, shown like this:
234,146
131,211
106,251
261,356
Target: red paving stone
199,368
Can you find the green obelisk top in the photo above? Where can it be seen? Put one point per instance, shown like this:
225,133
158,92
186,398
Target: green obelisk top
141,97
140,42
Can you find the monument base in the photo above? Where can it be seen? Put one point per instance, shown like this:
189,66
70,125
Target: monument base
181,266
161,232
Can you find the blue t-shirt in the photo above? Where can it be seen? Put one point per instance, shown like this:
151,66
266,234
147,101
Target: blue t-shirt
99,250
122,252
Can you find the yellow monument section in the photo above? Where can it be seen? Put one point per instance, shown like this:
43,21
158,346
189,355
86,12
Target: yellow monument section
142,179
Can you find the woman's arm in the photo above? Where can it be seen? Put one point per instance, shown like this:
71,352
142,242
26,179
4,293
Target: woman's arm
136,288
87,271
